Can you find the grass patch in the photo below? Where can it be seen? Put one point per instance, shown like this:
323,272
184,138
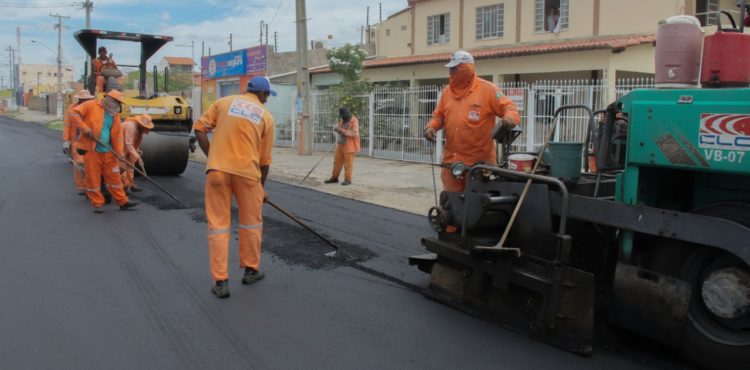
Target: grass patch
56,125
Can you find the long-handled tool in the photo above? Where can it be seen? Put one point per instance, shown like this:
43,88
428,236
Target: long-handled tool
316,165
555,119
76,166
183,205
299,222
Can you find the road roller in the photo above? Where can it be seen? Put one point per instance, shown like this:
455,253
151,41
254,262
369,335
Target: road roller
166,148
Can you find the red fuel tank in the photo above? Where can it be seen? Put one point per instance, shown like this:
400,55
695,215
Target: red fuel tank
725,59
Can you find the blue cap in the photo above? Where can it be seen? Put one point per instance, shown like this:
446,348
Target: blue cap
260,83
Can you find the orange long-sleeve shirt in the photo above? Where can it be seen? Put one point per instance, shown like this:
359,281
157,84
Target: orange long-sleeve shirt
69,131
132,139
242,135
468,122
90,115
352,135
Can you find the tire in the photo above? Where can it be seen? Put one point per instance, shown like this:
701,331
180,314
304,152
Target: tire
710,341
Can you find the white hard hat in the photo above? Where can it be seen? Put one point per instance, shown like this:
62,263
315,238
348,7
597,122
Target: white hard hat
460,57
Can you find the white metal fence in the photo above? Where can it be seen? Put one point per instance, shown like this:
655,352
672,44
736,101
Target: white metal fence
392,119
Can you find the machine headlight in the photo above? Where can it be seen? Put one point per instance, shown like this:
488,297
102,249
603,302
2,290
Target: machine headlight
177,110
458,169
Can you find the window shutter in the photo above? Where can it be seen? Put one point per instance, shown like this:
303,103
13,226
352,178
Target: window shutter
564,11
539,16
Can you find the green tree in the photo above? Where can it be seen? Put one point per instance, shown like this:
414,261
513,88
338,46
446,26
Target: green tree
348,62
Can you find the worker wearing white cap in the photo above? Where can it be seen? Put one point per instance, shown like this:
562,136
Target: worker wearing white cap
466,113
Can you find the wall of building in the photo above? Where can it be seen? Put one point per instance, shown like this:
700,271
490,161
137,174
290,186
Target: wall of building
470,23
435,7
628,17
43,77
279,63
394,35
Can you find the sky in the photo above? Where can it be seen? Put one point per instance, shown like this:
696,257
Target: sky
210,22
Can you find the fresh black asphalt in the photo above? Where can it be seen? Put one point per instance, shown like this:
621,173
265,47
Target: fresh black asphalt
131,289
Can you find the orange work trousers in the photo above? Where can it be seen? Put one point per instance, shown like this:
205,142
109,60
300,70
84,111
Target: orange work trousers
451,183
343,160
79,174
105,165
128,175
220,187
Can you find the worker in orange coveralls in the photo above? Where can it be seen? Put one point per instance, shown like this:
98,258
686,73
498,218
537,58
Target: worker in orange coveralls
466,113
133,130
347,146
239,156
70,137
100,119
102,63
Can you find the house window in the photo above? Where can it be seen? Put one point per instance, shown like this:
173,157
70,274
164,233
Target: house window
551,15
403,28
490,21
439,29
707,12
388,32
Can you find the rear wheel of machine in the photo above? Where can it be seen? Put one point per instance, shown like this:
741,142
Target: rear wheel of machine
165,154
711,340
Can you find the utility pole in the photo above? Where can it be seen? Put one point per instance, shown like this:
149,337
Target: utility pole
59,62
275,42
303,82
380,9
230,42
88,5
367,22
266,34
260,41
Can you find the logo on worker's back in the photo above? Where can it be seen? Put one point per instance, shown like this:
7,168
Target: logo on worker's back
725,131
244,109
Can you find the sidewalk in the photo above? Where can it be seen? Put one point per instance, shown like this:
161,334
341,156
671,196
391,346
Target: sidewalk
404,186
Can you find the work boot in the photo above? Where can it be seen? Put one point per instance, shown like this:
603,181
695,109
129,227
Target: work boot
135,189
98,210
251,276
221,289
331,181
128,205
347,182
81,192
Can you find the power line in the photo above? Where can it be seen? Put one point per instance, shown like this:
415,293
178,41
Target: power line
37,5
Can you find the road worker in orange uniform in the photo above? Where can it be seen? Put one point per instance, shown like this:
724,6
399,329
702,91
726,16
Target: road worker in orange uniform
102,63
239,156
347,146
133,130
70,136
466,113
100,119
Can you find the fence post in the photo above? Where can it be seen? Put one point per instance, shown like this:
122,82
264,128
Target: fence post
558,103
439,139
293,118
371,124
530,118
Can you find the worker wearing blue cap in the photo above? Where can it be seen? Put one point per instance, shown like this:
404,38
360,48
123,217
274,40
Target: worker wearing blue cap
239,157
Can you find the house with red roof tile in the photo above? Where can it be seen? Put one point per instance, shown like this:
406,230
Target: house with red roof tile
523,40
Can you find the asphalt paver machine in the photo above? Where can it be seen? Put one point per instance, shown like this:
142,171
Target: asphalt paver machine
166,148
656,239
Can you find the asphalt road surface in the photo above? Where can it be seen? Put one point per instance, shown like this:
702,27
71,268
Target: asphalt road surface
131,289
